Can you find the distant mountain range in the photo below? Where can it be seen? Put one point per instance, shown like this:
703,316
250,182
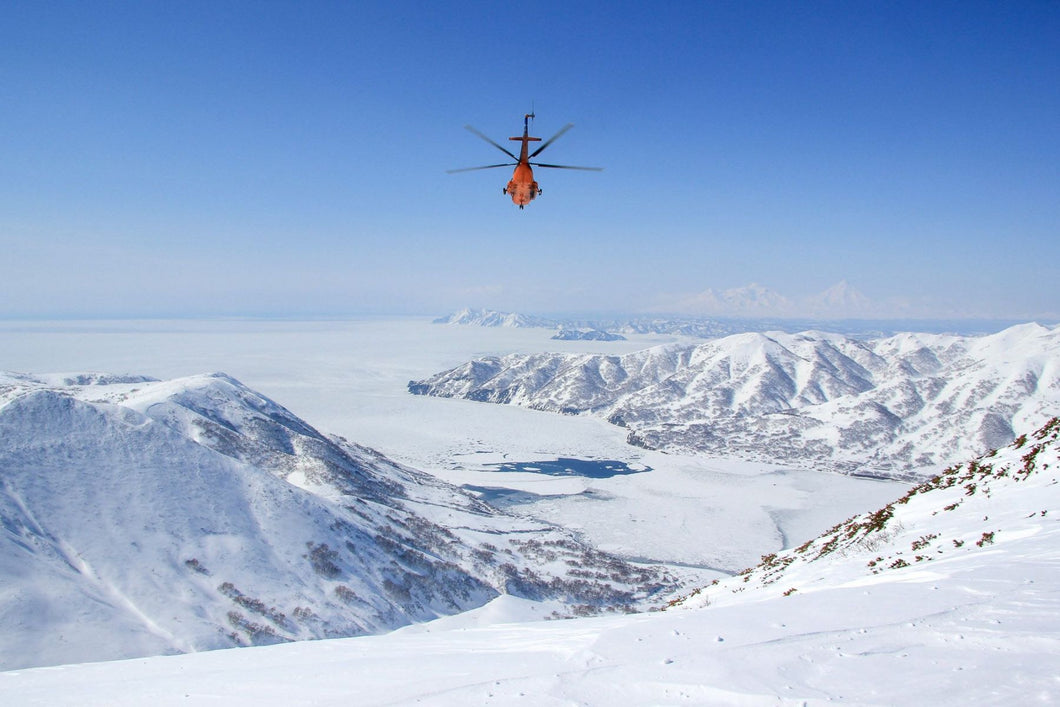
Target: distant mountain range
887,406
717,326
144,517
842,300
682,326
491,318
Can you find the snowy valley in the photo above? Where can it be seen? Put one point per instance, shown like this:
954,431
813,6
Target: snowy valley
147,517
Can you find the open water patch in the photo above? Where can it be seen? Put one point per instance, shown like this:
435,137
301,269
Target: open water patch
565,466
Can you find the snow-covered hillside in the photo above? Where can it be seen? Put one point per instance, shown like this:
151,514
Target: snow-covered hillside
142,517
1008,498
892,405
949,596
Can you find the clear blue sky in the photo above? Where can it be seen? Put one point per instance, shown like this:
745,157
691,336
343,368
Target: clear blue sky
224,157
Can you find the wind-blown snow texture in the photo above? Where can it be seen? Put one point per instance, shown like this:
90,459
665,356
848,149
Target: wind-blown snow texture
141,517
948,596
886,406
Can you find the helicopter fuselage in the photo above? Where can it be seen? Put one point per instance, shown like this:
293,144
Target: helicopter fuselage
522,187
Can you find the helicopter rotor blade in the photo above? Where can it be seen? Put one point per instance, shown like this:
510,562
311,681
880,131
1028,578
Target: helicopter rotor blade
499,147
552,139
472,169
567,166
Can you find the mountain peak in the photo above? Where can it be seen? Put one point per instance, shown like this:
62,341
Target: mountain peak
840,300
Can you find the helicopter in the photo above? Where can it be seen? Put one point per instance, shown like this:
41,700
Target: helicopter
522,187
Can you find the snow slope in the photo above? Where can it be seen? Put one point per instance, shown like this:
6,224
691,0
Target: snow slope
976,624
1001,505
142,517
886,406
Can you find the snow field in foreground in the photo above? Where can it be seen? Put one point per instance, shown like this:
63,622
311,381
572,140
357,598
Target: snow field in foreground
964,637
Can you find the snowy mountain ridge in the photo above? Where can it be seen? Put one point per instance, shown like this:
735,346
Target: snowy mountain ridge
140,517
1005,496
886,406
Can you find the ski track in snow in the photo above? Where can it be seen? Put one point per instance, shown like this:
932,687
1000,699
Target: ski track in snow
73,558
121,599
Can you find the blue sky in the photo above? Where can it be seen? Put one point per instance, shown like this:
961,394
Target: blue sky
218,158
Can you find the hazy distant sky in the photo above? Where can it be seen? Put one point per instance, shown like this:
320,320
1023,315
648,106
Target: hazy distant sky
224,157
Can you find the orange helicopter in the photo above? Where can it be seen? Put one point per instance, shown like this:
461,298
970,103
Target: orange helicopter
522,187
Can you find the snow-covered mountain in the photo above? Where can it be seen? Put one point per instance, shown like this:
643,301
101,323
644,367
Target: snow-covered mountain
948,596
143,517
890,405
840,300
493,318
